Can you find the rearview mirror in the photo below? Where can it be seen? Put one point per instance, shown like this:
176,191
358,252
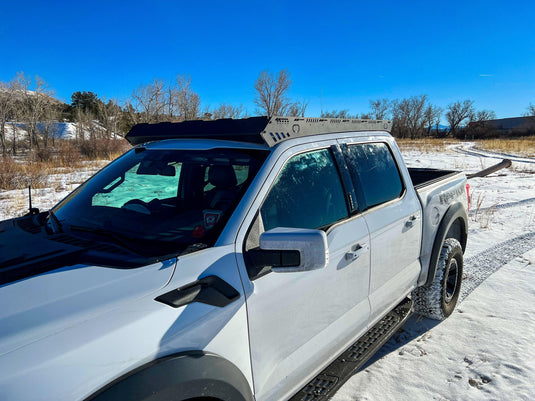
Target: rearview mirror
311,245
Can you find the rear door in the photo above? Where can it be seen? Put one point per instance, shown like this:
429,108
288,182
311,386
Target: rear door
392,212
298,321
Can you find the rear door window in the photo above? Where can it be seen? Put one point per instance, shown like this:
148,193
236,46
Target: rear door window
374,173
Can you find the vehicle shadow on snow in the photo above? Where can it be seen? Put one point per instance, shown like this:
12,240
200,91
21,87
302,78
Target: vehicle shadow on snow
413,328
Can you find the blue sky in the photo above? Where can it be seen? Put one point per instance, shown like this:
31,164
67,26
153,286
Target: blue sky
340,54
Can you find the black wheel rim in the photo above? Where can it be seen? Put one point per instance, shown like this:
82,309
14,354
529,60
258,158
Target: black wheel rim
451,280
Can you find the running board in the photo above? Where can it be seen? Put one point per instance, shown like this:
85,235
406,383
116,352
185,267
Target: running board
324,385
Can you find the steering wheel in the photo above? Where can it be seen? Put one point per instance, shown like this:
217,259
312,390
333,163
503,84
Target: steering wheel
137,205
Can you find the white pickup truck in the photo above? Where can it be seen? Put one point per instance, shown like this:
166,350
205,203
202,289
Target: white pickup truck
255,259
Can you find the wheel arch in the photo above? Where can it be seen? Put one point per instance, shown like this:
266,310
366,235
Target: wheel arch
454,224
182,376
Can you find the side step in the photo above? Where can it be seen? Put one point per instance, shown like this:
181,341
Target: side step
324,385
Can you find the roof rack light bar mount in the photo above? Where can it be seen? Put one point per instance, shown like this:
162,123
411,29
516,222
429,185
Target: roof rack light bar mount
253,129
279,129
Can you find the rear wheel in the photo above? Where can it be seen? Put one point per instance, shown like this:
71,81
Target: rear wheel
438,299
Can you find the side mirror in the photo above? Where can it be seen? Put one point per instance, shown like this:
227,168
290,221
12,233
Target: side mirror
309,245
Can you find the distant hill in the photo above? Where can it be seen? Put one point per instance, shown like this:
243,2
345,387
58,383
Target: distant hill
19,95
60,130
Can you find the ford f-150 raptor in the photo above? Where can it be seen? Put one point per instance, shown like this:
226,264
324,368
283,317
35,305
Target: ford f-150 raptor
253,259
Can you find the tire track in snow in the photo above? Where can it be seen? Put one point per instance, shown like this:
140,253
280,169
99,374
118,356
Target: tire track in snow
502,206
479,267
472,151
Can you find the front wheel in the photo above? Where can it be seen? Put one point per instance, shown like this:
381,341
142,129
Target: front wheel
438,299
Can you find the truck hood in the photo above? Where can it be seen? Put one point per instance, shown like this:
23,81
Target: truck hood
46,288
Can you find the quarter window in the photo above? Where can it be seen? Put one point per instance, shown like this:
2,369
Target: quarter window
307,194
374,172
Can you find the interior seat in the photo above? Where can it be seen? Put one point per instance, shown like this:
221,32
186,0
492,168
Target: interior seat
223,178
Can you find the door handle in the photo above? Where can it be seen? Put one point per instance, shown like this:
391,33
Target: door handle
358,252
410,223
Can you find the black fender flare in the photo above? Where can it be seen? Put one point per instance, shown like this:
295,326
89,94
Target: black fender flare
456,212
179,377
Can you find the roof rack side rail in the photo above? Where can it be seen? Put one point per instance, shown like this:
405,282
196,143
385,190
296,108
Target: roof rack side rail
260,130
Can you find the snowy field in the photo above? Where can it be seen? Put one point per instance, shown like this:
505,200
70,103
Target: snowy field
486,349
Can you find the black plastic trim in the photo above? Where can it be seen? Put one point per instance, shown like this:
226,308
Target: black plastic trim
210,290
455,211
179,377
244,130
347,182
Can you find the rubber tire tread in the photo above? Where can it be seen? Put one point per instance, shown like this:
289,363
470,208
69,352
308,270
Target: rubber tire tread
429,299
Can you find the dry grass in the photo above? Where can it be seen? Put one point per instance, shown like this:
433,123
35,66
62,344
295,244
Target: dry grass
426,145
35,167
516,146
482,216
15,175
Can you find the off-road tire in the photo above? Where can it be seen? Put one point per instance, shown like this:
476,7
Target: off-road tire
438,299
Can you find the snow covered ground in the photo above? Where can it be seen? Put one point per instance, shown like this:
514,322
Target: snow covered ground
486,349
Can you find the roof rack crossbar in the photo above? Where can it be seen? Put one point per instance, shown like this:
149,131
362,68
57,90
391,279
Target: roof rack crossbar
253,129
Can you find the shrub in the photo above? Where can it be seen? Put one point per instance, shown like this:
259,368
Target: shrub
15,175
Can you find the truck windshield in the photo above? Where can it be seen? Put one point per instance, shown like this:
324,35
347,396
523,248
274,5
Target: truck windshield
161,202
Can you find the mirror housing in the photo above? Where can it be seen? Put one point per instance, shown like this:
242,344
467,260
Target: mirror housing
311,246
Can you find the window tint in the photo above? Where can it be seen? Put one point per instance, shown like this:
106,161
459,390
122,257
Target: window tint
374,173
307,194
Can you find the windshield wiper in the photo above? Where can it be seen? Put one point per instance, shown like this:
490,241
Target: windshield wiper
116,237
55,223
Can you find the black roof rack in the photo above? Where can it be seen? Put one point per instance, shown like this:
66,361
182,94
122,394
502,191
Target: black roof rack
253,129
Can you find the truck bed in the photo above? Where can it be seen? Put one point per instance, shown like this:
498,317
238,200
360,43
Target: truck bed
422,177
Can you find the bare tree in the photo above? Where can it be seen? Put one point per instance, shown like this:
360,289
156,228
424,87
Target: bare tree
417,115
226,111
147,103
297,109
478,127
432,115
16,119
398,123
109,114
36,102
6,111
184,103
338,114
379,108
530,112
408,116
48,126
457,113
272,93
483,115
